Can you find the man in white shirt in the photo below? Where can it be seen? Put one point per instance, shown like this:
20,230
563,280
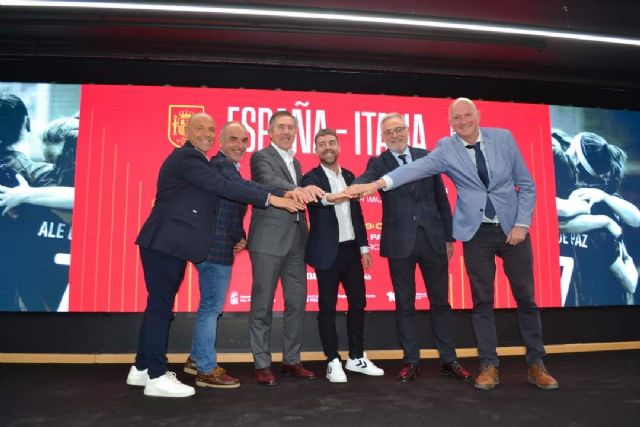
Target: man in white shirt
337,248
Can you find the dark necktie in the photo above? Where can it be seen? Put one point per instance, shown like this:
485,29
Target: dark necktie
412,186
483,172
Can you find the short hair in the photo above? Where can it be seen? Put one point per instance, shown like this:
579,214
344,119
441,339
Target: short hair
12,116
392,116
460,100
223,132
281,113
325,132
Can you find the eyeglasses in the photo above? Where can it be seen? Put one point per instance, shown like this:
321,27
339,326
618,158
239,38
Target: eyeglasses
398,130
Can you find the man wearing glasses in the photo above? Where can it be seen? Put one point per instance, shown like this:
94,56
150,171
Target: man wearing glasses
416,230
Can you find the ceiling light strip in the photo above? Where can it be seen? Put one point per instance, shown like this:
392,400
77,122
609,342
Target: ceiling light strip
330,16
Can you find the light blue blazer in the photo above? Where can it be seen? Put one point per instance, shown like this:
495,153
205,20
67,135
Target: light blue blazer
511,187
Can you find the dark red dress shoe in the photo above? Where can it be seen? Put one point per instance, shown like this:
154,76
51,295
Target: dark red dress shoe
264,376
455,370
297,371
409,372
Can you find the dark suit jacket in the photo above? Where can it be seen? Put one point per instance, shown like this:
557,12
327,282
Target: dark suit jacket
322,243
404,208
183,218
229,228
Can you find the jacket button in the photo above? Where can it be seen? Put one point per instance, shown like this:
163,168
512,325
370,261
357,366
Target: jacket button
194,211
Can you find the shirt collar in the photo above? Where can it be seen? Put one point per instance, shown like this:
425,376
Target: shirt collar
331,173
287,155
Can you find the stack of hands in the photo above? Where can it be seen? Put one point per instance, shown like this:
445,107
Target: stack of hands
297,199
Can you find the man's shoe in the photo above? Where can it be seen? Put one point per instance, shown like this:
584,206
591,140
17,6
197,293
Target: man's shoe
335,374
538,376
216,378
363,365
409,372
487,379
297,371
264,376
168,385
137,378
190,366
455,370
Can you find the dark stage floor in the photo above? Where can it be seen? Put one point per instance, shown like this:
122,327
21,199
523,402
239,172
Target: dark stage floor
597,389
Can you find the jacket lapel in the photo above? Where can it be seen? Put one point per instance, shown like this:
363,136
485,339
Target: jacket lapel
463,155
283,166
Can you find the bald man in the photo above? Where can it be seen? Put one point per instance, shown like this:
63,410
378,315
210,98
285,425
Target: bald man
180,229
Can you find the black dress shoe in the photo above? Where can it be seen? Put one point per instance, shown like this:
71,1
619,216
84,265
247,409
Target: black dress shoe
455,370
409,372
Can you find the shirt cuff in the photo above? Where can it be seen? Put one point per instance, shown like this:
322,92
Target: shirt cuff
364,250
388,183
522,225
325,202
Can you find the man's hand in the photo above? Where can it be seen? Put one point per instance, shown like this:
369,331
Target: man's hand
367,262
449,250
10,197
339,197
314,192
283,203
240,245
517,235
362,189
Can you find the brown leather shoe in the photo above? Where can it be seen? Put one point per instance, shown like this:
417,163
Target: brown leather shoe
190,366
409,372
297,371
455,370
538,376
216,378
487,379
264,376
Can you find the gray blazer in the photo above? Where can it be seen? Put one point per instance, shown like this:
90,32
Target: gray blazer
270,231
511,188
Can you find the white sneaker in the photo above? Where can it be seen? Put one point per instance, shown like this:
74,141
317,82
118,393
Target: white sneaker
335,374
137,378
363,365
168,385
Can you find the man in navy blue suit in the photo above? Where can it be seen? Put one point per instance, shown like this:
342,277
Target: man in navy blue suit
180,229
337,248
416,231
496,198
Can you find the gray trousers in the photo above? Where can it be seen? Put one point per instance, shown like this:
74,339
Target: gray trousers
267,270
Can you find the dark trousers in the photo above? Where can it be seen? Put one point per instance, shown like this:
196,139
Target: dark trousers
162,274
346,269
479,257
435,272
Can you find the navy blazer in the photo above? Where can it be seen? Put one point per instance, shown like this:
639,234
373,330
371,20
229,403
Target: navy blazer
322,243
424,203
182,220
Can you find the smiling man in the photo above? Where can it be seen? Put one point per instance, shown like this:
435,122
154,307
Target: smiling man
416,231
338,249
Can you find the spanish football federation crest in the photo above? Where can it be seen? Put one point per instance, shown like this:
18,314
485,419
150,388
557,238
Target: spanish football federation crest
177,123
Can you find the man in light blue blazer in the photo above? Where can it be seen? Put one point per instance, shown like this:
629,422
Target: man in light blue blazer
496,198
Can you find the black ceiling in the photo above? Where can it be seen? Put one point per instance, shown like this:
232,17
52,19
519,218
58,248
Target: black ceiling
208,39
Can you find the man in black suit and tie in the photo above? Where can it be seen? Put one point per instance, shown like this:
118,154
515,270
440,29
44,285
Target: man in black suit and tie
416,231
337,241
180,229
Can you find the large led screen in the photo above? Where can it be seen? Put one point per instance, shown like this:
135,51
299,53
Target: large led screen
584,231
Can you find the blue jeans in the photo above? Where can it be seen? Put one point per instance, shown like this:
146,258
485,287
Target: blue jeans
214,282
